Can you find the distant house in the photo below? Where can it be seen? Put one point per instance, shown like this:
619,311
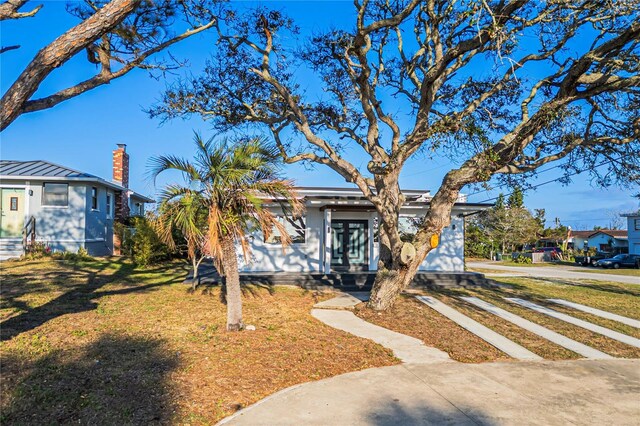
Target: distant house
62,207
579,240
633,231
339,233
609,240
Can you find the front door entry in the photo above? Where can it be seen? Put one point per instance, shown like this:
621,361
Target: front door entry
11,212
349,245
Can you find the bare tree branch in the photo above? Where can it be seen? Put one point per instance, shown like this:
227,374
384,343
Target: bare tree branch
9,10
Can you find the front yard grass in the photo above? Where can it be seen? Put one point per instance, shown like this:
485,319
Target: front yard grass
411,317
101,342
626,272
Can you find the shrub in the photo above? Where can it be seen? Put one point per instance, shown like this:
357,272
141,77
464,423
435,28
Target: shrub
38,250
143,243
523,260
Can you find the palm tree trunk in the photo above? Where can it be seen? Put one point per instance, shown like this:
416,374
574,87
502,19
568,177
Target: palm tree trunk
232,280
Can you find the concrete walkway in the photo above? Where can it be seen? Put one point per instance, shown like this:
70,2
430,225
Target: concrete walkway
405,348
584,392
554,272
552,336
344,300
507,346
593,311
334,312
629,340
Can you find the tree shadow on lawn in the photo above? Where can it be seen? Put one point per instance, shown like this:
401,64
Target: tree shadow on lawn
114,380
593,286
79,298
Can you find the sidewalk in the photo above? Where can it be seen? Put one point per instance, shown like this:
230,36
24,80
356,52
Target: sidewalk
585,392
552,272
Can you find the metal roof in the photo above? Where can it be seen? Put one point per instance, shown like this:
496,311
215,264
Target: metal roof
38,168
45,170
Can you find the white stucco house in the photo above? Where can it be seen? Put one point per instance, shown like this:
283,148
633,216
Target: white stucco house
633,231
337,233
62,207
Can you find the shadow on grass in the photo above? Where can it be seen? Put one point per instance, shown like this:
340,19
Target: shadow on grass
115,380
77,297
599,287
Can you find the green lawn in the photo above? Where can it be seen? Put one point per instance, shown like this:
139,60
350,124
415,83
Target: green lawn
624,271
101,342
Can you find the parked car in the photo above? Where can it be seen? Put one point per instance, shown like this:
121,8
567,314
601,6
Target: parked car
592,259
620,260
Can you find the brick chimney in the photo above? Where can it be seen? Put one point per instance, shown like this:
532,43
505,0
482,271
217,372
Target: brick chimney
121,165
121,201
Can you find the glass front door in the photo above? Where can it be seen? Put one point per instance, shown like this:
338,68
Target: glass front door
349,245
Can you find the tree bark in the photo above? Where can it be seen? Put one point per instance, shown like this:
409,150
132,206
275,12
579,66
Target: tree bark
393,277
232,285
57,53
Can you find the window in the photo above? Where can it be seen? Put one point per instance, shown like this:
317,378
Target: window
636,224
108,205
13,204
94,198
295,227
55,194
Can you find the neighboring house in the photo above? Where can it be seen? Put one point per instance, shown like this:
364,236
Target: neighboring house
633,231
579,240
609,240
338,232
67,209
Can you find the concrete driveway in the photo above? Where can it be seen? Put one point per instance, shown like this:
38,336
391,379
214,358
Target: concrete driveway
563,272
584,392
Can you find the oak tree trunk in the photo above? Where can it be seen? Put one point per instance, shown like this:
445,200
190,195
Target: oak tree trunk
393,277
232,285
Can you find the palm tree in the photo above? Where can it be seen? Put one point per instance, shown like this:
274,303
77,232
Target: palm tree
186,212
234,182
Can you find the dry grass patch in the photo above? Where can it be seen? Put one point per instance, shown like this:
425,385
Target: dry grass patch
411,317
609,296
100,342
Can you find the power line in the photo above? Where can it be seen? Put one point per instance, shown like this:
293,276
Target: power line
551,181
504,184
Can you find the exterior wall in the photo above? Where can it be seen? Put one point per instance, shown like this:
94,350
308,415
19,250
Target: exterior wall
308,256
99,223
302,257
74,226
63,228
449,255
136,206
633,232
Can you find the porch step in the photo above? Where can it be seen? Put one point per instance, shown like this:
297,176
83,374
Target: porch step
351,281
10,249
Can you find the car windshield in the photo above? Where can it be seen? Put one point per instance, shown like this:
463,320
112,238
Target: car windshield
619,257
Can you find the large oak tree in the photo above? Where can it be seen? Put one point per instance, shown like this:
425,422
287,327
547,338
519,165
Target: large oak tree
118,36
503,87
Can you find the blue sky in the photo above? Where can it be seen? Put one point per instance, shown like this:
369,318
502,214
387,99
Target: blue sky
82,132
